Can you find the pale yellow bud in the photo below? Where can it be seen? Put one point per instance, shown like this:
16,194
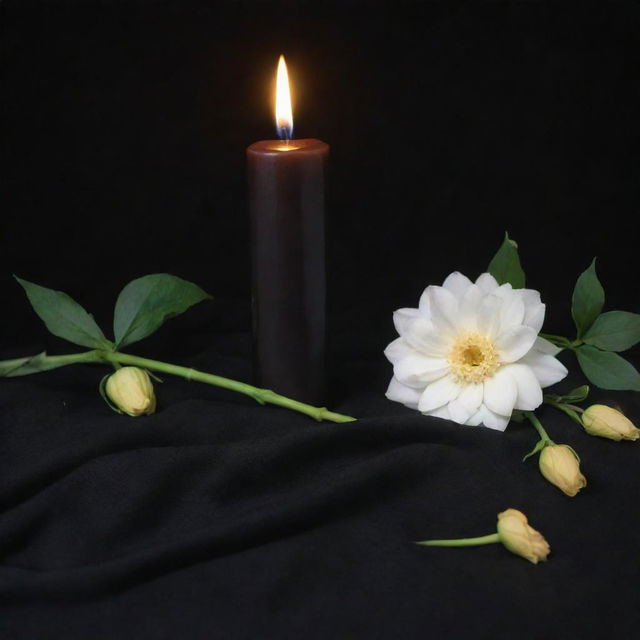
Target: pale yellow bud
131,391
520,538
603,421
560,466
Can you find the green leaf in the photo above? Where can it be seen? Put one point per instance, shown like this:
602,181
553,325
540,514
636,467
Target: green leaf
575,395
505,266
540,445
64,317
614,331
145,303
588,299
608,370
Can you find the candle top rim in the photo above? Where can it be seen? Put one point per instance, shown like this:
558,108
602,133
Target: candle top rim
279,147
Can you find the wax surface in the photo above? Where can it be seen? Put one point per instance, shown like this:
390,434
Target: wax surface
286,199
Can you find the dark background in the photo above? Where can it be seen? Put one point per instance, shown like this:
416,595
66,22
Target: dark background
124,127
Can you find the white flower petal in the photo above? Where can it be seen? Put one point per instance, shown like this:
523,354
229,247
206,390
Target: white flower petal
546,368
500,392
503,291
468,308
530,297
457,284
511,313
535,318
494,420
544,346
440,412
438,393
466,404
475,419
471,396
529,390
515,343
424,306
397,349
402,318
416,370
399,392
424,338
444,309
487,282
534,309
488,316
458,413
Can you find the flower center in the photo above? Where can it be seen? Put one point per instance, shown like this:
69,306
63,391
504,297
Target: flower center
473,358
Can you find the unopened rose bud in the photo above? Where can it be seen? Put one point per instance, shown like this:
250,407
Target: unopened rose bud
606,422
560,466
131,391
520,538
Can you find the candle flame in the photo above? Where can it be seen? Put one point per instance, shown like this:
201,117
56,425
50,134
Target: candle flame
284,116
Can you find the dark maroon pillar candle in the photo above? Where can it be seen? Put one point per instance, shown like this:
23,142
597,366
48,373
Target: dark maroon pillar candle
286,199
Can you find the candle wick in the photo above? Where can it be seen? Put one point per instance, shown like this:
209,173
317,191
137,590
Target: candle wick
284,133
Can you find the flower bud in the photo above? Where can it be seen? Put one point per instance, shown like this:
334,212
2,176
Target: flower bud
517,536
606,422
560,466
131,391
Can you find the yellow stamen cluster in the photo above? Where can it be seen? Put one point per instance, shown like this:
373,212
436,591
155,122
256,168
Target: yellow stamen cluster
473,358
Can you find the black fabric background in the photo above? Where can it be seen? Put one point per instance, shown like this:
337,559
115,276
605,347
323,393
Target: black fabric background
124,128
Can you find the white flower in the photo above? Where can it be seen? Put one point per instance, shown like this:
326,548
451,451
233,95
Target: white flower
471,352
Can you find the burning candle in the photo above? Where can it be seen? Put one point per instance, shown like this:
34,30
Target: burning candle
286,200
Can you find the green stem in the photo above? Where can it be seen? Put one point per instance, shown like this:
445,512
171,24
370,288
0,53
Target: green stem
43,362
74,358
533,419
262,396
561,341
571,410
575,407
462,542
553,338
116,359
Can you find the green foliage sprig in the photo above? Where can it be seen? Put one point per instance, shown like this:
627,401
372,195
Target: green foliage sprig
142,308
600,336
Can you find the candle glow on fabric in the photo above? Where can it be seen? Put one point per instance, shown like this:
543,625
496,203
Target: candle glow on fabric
284,114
